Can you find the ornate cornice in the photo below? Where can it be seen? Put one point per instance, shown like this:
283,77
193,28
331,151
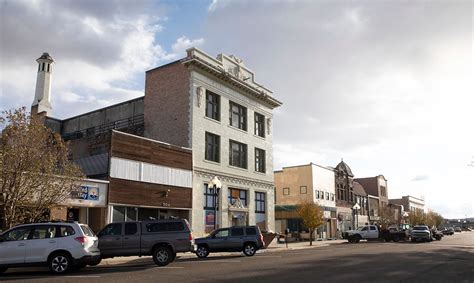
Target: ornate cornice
232,80
226,178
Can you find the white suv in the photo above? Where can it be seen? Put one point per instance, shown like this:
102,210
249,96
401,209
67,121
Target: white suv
60,245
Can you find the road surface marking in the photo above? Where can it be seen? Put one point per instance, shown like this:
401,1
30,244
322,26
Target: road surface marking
83,276
209,261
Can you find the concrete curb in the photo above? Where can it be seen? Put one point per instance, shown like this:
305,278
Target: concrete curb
135,260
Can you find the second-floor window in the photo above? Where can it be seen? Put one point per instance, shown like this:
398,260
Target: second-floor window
212,147
259,125
238,154
238,116
259,160
213,110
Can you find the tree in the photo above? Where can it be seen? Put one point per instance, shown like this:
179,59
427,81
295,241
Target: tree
434,219
312,217
36,174
386,216
417,218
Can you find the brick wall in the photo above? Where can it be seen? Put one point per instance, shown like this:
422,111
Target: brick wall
167,104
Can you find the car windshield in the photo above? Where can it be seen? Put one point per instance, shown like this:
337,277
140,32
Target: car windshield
420,228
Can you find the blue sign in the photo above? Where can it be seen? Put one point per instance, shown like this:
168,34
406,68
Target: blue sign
89,193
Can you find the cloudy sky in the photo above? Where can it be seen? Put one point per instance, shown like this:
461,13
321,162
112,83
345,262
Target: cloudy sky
386,85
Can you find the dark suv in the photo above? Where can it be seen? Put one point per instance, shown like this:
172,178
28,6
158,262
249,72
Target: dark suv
161,239
233,239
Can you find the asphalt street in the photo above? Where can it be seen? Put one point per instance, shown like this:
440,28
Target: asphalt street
448,260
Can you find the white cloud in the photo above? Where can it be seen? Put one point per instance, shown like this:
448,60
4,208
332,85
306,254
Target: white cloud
374,83
100,51
183,43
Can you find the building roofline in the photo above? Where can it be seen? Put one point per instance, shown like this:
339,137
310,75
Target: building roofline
90,112
165,65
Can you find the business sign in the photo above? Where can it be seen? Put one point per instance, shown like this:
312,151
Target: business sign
87,193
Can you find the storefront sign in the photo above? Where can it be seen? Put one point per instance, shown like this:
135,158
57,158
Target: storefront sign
86,193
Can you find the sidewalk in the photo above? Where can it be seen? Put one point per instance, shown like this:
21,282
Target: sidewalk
273,247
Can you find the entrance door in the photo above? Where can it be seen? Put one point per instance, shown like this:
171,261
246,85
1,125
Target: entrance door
73,214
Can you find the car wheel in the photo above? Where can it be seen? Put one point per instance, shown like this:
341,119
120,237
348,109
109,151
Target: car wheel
202,251
357,239
163,256
250,249
59,263
3,269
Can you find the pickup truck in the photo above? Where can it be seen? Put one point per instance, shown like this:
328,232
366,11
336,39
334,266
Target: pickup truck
161,239
373,232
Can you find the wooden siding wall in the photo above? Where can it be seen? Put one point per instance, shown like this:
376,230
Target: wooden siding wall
145,194
136,193
145,150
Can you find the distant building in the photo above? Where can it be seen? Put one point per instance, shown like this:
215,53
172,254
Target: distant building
298,184
410,204
348,194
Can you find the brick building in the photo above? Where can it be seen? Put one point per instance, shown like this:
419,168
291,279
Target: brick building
200,118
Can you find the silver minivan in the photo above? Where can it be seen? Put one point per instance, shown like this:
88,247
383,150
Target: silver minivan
61,246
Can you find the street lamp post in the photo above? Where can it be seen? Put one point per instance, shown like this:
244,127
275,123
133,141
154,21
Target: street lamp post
216,185
356,207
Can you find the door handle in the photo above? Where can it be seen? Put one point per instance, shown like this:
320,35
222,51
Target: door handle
21,245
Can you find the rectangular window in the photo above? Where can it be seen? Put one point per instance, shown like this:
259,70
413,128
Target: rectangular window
238,116
259,202
237,154
213,147
234,194
259,160
259,125
303,190
286,191
213,110
209,198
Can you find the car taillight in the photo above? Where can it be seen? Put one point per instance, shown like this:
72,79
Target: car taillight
82,240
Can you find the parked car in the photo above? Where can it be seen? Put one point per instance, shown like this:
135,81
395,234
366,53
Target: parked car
421,232
373,232
59,245
161,239
457,229
248,239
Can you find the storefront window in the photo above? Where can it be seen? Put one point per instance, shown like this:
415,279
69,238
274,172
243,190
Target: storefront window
118,214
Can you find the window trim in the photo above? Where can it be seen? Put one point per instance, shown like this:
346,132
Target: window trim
243,155
216,106
259,131
261,201
216,147
241,113
260,167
